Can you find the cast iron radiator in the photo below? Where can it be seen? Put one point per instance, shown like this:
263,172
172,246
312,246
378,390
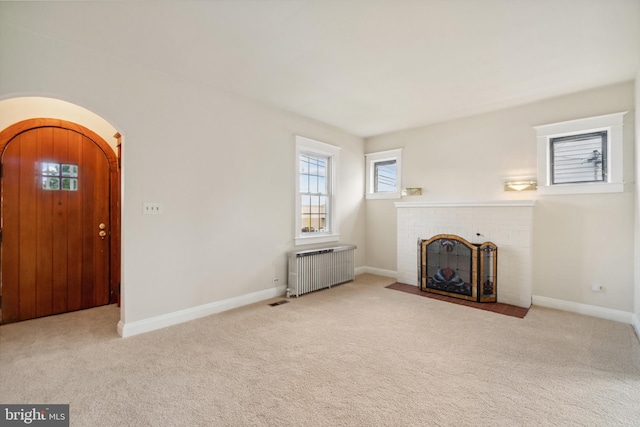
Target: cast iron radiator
316,269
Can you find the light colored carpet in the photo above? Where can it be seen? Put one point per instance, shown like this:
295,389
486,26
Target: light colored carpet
355,355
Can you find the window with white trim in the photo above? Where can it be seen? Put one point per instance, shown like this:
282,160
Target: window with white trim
384,170
316,172
581,156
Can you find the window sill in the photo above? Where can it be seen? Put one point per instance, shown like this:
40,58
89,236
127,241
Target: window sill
311,240
374,196
589,188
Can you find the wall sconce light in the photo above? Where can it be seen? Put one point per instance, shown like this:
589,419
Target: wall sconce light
520,185
411,192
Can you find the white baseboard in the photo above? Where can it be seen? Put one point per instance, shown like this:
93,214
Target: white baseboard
157,322
589,310
377,271
360,270
635,322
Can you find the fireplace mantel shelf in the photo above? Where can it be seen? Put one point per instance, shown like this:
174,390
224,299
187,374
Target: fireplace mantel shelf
495,203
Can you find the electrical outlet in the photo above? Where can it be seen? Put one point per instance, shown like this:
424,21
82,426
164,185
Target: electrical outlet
152,208
596,287
276,279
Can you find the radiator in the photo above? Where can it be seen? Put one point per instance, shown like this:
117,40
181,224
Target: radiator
316,269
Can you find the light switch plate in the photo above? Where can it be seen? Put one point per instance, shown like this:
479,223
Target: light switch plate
152,208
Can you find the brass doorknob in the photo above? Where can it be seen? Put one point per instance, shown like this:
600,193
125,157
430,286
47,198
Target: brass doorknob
102,226
102,234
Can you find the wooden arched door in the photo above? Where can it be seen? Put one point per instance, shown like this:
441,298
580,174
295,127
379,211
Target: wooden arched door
60,214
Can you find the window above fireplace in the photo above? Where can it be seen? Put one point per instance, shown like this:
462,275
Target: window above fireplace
581,156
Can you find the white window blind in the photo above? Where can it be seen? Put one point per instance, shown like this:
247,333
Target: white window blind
579,158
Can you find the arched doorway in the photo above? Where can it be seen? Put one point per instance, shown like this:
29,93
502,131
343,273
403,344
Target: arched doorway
60,219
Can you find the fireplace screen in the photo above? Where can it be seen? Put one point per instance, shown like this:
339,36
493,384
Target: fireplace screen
449,265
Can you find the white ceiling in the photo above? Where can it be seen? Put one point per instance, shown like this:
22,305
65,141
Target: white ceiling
366,66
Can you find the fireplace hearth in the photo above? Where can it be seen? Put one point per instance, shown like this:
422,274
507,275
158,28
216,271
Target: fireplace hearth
450,265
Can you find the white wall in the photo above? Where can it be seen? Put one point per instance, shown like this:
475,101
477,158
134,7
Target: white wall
637,214
223,168
577,239
14,110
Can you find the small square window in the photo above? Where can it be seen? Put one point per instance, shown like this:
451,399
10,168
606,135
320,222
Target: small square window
52,173
383,174
579,158
583,156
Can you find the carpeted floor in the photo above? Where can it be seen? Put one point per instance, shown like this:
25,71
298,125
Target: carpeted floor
355,355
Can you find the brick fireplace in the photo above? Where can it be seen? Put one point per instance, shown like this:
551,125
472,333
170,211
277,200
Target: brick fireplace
507,224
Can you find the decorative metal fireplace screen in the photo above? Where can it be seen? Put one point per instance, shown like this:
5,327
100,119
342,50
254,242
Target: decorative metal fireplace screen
449,265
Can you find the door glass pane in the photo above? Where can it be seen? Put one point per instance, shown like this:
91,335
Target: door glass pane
50,169
52,173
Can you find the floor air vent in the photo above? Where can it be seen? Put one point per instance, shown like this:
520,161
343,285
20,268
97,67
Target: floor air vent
273,304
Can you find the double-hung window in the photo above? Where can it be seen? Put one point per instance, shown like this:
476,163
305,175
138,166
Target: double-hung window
317,164
581,156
